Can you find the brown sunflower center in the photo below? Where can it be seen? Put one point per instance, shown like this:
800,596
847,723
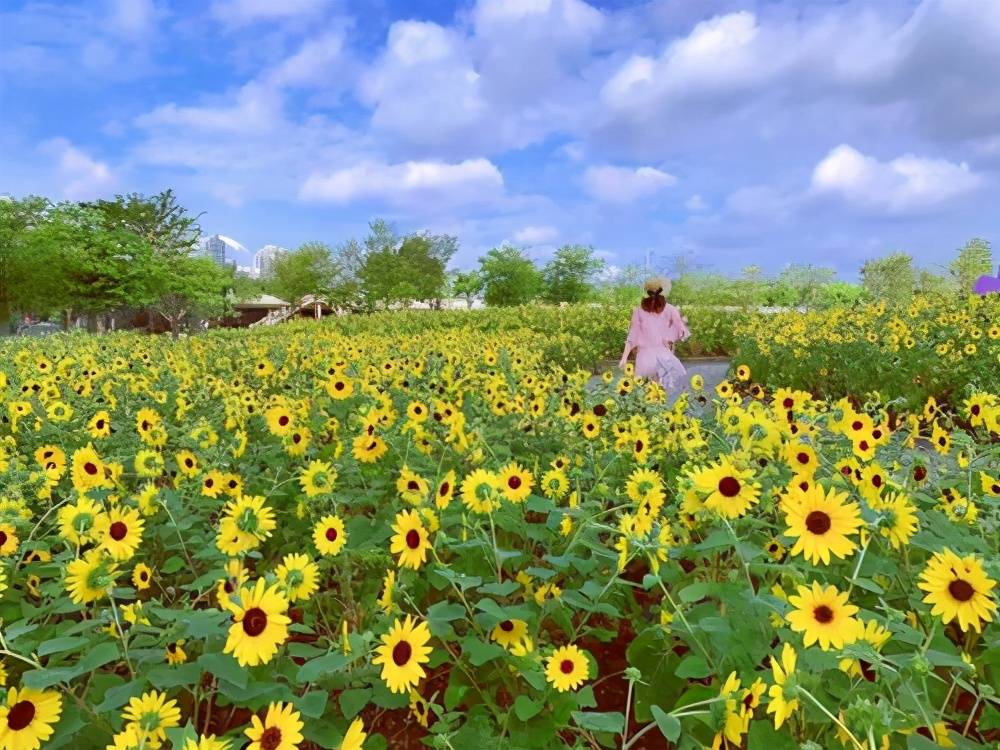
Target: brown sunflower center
823,614
443,490
802,458
514,482
90,467
254,621
961,590
271,739
401,653
818,522
283,420
118,531
331,534
413,539
729,486
20,715
566,666
507,626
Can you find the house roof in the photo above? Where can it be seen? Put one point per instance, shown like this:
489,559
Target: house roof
264,301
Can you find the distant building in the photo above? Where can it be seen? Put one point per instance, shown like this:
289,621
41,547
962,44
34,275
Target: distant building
215,248
263,259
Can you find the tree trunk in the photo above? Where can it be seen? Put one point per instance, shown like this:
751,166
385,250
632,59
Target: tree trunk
4,314
68,318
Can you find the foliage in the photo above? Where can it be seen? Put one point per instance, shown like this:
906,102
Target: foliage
159,220
466,284
606,534
190,286
509,277
412,269
309,269
973,260
892,278
569,275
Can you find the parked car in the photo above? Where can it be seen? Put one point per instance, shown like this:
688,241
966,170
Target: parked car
42,328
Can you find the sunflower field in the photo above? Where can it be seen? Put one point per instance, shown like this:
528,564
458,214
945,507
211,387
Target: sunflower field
402,532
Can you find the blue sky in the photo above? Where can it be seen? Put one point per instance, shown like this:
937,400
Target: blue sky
730,132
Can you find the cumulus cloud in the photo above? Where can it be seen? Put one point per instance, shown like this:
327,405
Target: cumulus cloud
903,185
81,176
243,12
623,185
695,203
535,235
429,182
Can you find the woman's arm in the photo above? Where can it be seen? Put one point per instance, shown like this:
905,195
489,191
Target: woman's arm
633,332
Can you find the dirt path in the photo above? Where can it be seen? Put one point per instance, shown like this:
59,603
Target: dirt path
713,370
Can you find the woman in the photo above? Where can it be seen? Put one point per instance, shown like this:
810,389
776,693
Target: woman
654,329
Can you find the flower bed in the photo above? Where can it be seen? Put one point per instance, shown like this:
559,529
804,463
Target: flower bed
393,531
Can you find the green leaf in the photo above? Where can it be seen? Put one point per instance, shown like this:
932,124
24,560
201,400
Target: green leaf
445,612
225,667
58,645
480,652
609,721
669,726
316,668
172,565
693,666
119,695
525,707
354,700
505,588
312,704
695,592
171,676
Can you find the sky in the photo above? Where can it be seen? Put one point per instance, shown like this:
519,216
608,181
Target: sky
724,132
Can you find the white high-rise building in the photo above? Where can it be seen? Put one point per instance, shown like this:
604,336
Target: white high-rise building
215,247
263,259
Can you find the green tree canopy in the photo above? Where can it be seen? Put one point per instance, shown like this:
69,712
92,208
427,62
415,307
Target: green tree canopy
509,277
467,285
309,269
891,278
412,270
569,276
973,260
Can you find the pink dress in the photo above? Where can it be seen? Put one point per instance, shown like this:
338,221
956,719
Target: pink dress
654,334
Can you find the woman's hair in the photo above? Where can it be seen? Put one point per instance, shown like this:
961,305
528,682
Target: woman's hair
656,288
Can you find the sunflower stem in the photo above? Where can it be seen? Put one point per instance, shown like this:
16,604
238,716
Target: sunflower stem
831,717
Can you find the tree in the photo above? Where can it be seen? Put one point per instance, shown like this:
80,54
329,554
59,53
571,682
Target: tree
467,285
892,278
22,261
413,270
189,286
569,276
159,220
975,259
509,278
806,280
310,269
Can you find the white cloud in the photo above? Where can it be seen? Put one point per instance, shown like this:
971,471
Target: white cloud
426,182
903,185
132,19
623,185
242,12
81,177
695,203
315,63
535,235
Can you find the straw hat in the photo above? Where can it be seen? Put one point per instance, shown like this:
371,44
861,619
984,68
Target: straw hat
656,284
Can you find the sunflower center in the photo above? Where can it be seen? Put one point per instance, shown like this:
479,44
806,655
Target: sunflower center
283,420
20,715
401,653
271,739
961,590
514,482
444,489
413,539
639,445
802,458
566,666
254,621
507,626
729,486
823,614
90,467
118,531
331,534
3,538
818,522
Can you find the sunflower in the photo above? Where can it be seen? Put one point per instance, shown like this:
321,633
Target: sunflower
515,482
8,540
822,524
355,737
874,635
246,523
88,469
329,535
317,478
27,717
281,729
142,576
645,487
445,491
823,614
149,716
176,653
410,541
52,459
121,532
508,633
99,425
411,486
478,490
339,388
733,722
299,575
260,624
899,518
280,421
368,448
388,587
148,463
801,459
187,463
420,709
959,589
783,695
730,490
90,577
207,742
404,649
567,668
